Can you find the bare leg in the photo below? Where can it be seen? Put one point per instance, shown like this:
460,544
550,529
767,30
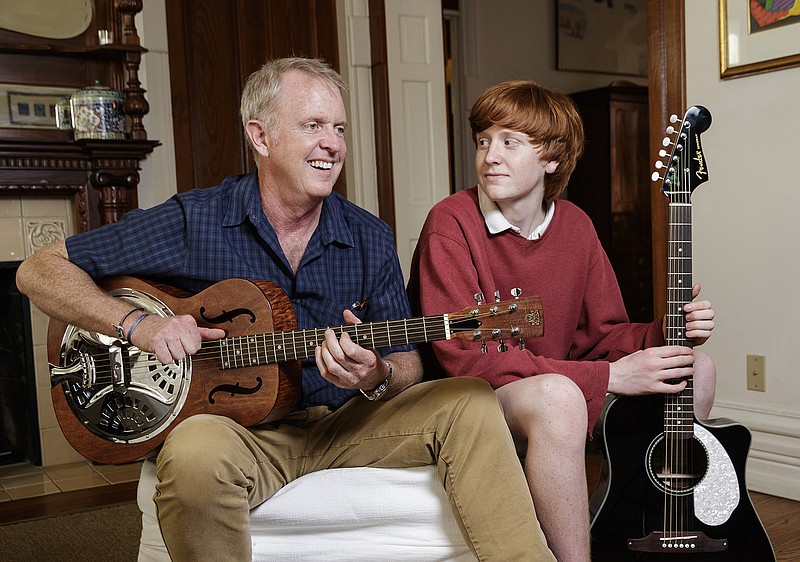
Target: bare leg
547,416
704,381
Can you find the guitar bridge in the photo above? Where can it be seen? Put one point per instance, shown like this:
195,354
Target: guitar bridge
117,369
681,542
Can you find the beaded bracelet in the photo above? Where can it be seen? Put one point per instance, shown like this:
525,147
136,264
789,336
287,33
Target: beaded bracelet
136,323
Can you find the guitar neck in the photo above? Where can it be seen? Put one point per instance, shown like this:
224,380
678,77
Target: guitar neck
685,170
679,271
278,347
679,408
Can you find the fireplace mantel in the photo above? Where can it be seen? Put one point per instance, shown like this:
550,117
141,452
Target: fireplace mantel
102,176
52,185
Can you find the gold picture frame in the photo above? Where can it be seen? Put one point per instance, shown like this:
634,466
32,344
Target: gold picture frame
744,51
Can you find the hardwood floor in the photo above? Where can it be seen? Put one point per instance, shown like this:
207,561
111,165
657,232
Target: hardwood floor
780,517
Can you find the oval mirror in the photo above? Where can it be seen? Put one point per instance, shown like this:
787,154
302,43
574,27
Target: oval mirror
52,19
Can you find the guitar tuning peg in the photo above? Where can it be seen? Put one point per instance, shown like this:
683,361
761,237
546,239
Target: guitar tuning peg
666,142
673,118
502,347
516,292
662,153
659,164
670,130
478,298
483,348
656,177
497,296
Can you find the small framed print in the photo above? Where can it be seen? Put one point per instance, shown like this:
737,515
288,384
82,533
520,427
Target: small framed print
30,106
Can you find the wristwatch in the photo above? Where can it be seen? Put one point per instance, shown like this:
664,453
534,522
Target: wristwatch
382,388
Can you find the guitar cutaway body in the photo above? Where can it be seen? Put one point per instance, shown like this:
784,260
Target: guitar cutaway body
706,508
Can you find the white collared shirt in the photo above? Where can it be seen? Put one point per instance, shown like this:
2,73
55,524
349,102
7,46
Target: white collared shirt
496,222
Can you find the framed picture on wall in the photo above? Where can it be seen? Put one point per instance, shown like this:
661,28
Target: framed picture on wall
758,36
602,36
30,107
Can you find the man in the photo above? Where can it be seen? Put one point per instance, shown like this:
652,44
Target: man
511,232
283,222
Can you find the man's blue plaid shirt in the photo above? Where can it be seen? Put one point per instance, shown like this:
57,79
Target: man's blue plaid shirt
203,236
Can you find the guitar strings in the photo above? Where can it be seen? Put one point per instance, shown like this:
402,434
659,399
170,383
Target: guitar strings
295,345
678,409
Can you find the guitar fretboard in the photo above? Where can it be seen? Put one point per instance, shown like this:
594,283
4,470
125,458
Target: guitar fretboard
679,408
278,347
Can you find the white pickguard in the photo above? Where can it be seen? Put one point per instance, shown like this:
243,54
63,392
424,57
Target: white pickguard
717,494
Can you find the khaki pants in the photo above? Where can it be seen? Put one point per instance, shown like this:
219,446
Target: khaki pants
211,470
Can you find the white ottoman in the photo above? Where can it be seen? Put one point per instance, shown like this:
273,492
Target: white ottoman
347,514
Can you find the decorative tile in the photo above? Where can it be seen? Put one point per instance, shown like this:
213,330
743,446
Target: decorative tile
119,473
20,469
55,448
47,414
43,232
92,481
39,323
12,241
40,365
10,207
41,207
33,490
25,480
69,471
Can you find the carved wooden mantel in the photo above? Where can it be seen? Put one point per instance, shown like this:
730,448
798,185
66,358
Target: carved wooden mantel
102,176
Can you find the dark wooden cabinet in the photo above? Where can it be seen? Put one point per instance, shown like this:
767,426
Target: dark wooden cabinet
101,175
612,184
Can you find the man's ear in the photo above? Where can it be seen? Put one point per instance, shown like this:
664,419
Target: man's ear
551,166
258,136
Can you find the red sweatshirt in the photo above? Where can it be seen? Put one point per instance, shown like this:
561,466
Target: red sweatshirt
585,323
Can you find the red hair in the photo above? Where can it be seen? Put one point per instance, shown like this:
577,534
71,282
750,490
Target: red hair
548,117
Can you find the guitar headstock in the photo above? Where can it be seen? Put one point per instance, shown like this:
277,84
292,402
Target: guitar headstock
686,167
512,319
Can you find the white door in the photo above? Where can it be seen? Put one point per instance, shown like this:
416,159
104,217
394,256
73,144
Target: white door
418,116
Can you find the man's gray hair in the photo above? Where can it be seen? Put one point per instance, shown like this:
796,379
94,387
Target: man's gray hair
261,94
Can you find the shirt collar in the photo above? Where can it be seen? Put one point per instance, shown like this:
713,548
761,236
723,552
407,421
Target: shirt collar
240,206
332,225
496,222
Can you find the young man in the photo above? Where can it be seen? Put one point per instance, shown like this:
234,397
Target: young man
510,232
283,223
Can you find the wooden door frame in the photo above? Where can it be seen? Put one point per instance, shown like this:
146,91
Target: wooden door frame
380,106
666,49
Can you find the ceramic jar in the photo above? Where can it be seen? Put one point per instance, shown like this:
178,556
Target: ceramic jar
97,113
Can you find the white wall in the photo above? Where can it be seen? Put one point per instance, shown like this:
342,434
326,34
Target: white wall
746,246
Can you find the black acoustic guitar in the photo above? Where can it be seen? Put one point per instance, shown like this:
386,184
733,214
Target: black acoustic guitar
673,487
116,403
